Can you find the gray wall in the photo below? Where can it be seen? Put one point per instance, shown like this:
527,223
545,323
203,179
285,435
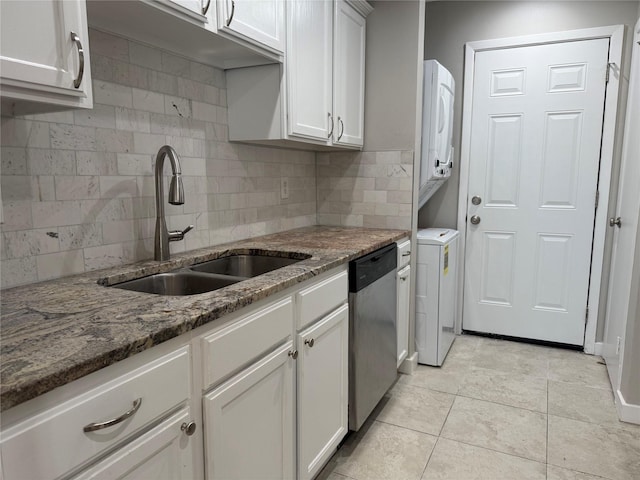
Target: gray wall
630,381
393,94
393,37
449,25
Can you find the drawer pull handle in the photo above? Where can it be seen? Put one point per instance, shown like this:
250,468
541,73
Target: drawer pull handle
311,342
76,39
406,254
293,354
205,9
92,427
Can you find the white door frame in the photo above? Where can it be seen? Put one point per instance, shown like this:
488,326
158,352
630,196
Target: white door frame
616,35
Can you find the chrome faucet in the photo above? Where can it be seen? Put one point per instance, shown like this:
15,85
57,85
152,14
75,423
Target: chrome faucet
176,197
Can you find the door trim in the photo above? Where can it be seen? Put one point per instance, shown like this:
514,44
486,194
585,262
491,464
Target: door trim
615,34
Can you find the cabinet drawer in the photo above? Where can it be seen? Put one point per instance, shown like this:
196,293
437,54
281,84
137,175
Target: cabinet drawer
319,299
166,448
232,347
404,252
56,437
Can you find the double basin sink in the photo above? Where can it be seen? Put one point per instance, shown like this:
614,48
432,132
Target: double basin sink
211,275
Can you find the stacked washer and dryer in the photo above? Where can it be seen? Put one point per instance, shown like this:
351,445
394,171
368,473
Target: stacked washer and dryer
437,249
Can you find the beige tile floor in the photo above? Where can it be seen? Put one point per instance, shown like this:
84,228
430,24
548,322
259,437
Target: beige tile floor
495,410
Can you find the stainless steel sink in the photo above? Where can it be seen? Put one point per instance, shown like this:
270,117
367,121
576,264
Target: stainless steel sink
244,265
211,275
178,283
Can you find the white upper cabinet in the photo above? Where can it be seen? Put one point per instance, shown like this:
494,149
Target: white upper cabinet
259,22
348,75
44,54
309,57
197,6
316,99
221,33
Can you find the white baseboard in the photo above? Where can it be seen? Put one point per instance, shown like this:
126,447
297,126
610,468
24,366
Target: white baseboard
627,412
597,348
409,364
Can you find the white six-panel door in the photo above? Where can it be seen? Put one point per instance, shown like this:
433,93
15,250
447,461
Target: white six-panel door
536,131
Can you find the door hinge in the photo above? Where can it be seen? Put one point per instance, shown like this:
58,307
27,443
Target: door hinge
597,198
609,65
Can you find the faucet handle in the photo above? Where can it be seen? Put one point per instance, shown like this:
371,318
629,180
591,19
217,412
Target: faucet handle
176,235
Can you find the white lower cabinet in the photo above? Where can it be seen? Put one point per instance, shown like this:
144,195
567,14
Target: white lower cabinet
272,379
163,453
403,282
249,421
322,390
404,297
132,420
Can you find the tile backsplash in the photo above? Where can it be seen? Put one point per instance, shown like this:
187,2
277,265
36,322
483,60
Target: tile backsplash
365,189
78,188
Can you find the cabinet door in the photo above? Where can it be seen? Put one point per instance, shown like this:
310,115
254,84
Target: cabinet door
259,21
249,422
348,75
309,67
163,453
404,298
39,59
192,5
322,390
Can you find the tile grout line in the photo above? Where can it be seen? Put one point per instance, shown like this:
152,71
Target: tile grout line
447,416
495,451
501,404
429,459
407,428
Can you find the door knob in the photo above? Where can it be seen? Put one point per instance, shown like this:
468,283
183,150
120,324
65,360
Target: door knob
615,221
475,220
476,200
310,342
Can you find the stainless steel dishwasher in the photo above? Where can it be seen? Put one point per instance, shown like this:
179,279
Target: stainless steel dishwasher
372,331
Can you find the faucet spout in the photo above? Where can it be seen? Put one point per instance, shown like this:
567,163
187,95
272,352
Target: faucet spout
176,197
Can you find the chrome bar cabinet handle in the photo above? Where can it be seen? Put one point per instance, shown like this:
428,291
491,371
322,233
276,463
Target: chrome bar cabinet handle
233,10
341,124
76,39
332,125
92,427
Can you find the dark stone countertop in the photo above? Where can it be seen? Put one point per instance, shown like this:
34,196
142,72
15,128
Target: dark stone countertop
57,331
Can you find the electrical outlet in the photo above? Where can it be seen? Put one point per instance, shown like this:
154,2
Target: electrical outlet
284,187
